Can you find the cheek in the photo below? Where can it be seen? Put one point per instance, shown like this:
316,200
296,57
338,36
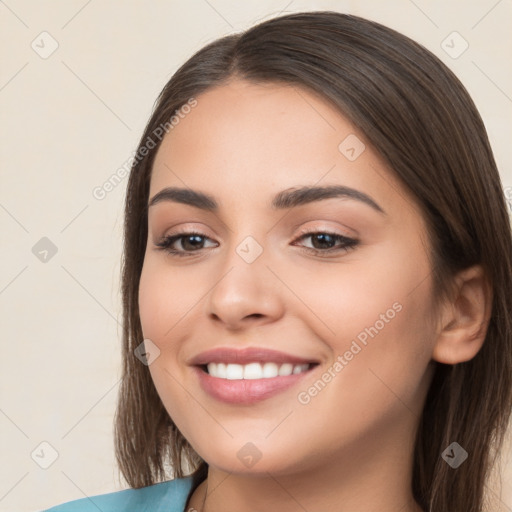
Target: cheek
166,304
165,298
378,318
387,294
160,307
374,313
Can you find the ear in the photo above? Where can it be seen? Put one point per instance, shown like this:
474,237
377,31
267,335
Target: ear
464,318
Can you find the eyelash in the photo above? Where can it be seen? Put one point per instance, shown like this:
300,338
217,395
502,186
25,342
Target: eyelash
166,243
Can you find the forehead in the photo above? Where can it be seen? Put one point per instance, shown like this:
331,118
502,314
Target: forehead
253,140
245,126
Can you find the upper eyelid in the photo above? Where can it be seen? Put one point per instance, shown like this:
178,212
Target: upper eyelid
303,233
348,243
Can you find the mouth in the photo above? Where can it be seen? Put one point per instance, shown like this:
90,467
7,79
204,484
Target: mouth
246,376
255,370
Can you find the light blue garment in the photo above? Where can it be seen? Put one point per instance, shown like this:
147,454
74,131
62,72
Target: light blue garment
168,496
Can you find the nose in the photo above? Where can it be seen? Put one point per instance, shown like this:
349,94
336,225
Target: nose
246,294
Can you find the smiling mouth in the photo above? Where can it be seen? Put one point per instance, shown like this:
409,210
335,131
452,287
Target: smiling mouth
254,370
245,376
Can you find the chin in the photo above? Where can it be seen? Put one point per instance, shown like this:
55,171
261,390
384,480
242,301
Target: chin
245,457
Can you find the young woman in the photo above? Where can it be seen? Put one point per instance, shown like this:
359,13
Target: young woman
316,280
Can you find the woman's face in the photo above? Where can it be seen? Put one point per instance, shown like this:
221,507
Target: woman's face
334,289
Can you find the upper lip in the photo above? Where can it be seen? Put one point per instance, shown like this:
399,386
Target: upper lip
245,356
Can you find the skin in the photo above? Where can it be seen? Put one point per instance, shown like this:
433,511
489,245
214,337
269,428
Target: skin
350,448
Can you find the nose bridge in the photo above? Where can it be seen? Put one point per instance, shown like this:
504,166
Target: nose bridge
248,240
246,287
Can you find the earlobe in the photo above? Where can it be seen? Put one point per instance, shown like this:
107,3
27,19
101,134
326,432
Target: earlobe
464,318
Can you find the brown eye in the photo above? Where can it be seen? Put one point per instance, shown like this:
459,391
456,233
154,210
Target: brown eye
325,243
189,242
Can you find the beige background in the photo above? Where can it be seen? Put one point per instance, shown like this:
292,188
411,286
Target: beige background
69,121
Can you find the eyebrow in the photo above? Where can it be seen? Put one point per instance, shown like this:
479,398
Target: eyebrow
285,199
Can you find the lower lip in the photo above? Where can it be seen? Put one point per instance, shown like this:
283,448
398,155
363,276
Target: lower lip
246,391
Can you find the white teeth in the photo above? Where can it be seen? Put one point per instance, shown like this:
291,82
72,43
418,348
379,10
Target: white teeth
234,371
300,368
253,371
212,368
221,370
286,369
270,370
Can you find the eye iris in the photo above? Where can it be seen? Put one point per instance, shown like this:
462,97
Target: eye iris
323,238
197,238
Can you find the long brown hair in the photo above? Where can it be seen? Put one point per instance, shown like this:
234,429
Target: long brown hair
421,120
